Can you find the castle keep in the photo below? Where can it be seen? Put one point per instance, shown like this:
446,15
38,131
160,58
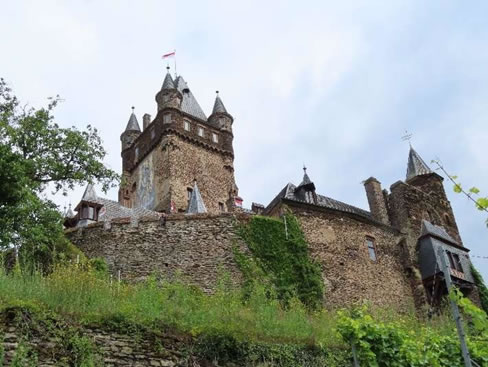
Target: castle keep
178,206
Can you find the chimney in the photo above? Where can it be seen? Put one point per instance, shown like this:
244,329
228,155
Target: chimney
146,120
376,200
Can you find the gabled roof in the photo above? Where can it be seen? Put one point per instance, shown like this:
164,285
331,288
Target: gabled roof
133,125
218,105
429,229
416,165
288,192
196,204
111,209
189,104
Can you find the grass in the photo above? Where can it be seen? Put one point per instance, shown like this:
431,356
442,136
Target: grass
85,296
88,297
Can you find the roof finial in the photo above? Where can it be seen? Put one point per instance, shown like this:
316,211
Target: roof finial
167,68
217,92
304,168
133,108
407,137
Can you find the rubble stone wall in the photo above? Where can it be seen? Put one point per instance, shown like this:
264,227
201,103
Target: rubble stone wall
338,243
197,248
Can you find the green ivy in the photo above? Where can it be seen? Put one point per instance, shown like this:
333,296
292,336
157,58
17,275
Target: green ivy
482,289
280,253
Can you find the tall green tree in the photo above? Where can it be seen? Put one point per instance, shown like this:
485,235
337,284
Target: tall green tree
37,154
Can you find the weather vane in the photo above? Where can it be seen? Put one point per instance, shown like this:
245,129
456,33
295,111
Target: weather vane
407,137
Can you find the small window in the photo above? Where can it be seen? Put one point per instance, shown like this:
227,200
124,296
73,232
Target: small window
186,125
134,187
371,248
153,134
189,191
447,220
167,118
221,207
215,138
454,261
200,131
137,152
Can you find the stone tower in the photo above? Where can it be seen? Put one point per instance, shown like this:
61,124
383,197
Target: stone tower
180,146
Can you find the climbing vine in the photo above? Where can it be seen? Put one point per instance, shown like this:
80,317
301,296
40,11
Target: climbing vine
280,253
482,289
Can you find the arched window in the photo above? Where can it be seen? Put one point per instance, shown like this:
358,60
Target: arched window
447,220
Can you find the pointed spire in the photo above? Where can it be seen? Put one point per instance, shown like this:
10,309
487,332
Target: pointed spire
69,213
218,105
90,194
133,125
306,180
196,204
168,82
416,165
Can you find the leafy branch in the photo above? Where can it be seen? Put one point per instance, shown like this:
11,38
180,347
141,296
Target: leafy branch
473,194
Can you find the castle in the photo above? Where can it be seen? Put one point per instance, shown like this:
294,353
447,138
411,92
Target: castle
178,204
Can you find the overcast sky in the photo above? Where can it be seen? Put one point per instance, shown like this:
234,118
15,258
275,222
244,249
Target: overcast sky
332,84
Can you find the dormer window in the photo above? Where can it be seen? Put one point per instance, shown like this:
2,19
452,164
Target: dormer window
200,131
167,118
89,211
186,125
215,138
454,261
153,134
137,152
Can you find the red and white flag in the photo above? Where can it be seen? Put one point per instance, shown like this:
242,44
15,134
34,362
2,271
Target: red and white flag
168,55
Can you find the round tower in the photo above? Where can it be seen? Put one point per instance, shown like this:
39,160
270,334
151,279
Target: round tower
220,117
169,95
132,131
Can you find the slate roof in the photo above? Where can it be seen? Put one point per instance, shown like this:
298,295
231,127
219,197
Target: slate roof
218,105
112,209
196,204
89,194
132,125
288,192
189,104
168,82
416,165
429,229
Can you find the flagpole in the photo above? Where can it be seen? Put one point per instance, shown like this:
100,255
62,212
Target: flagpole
176,74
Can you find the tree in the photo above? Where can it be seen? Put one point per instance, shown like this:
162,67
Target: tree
36,153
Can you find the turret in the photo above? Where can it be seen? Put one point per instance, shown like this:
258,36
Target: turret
306,190
132,131
220,117
169,95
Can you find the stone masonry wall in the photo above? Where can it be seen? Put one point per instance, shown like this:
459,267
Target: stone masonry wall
196,247
338,243
113,349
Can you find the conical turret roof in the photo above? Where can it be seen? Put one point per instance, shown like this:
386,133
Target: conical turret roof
196,204
218,105
306,180
133,125
416,165
69,213
90,194
168,82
